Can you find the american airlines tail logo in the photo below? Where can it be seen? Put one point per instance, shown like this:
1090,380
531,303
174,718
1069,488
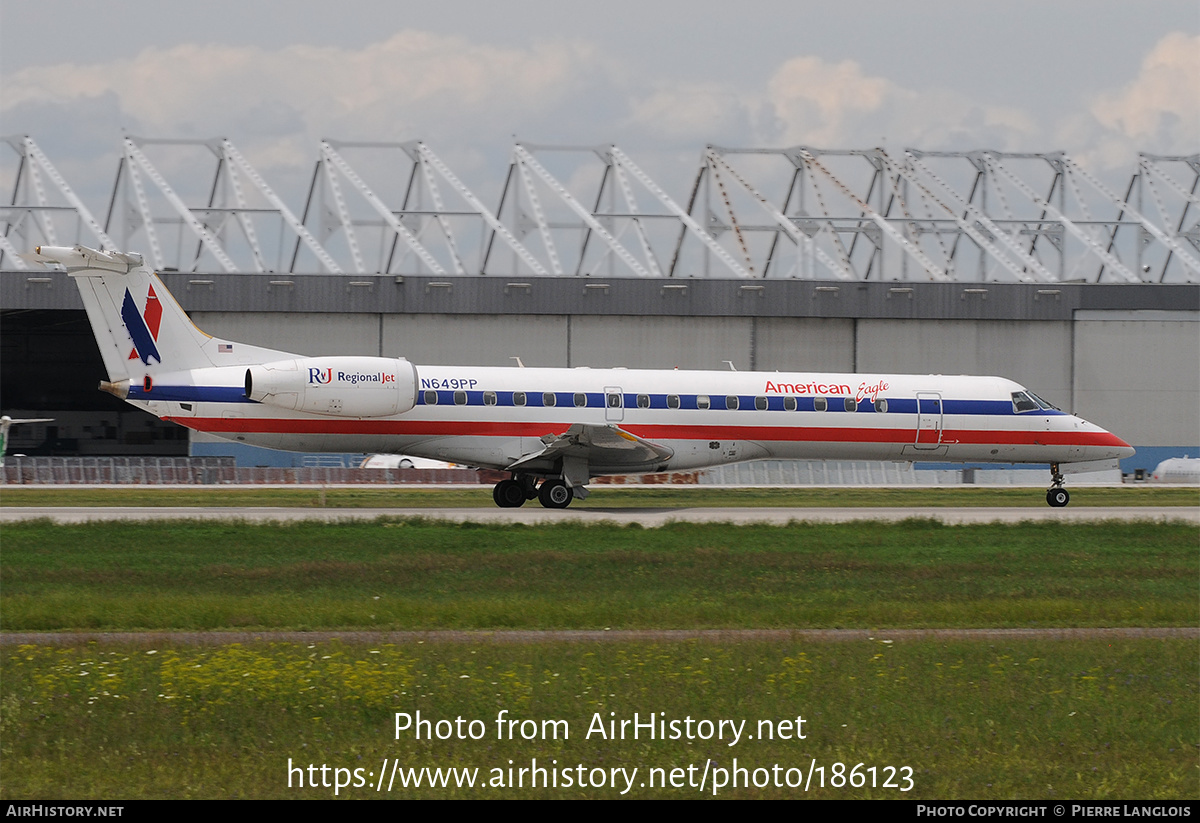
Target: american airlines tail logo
143,326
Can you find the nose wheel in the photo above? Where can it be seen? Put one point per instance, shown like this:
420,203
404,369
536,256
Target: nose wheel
1057,496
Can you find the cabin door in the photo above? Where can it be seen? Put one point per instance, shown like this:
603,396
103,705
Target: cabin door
614,404
929,420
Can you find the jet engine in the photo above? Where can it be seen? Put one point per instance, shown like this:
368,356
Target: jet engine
339,386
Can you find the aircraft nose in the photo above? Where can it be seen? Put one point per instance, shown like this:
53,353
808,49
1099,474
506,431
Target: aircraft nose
1118,447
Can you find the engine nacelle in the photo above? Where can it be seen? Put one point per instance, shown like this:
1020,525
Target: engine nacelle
341,386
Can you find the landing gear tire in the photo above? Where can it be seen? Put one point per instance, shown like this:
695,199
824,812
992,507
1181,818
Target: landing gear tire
555,494
1058,497
508,494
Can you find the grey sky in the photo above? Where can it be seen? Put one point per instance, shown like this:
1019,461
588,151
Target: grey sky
1014,52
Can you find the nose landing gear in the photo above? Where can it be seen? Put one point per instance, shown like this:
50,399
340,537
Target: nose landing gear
1057,496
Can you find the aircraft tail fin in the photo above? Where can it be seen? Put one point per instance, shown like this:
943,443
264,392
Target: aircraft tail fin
141,330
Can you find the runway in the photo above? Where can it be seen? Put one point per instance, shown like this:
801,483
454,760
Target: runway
647,517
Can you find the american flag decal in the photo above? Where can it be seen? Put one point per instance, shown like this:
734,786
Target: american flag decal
225,348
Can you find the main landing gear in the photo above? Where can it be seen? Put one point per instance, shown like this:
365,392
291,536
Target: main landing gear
509,494
1057,496
555,494
512,493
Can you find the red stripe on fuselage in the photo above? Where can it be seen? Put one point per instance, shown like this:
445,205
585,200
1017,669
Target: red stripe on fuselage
814,434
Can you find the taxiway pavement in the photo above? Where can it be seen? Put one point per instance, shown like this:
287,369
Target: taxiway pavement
648,517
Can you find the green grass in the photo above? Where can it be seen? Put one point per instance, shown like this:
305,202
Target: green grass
1095,720
602,497
421,574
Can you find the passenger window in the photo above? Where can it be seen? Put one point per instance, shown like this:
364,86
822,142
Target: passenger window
643,401
731,401
460,398
431,398
760,403
672,401
850,405
1023,402
881,405
489,398
702,401
518,398
820,404
580,399
614,401
548,399
789,404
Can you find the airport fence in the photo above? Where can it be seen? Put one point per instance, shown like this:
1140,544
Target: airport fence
207,471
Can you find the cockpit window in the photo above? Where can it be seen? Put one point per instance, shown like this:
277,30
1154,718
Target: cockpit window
1043,403
1022,402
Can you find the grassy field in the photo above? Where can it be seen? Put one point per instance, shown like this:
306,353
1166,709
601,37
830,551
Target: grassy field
601,497
1026,719
422,574
1015,718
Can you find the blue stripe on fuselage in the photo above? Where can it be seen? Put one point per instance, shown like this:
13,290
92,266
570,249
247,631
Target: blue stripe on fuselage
191,394
746,402
896,405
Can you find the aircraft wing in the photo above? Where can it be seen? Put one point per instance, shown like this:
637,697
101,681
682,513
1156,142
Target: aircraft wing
606,448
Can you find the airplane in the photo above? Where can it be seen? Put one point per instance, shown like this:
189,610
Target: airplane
553,429
7,423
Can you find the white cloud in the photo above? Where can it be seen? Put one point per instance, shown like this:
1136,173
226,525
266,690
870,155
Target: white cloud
837,104
1159,110
695,113
398,87
468,98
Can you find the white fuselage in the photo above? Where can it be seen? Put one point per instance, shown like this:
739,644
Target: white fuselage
491,417
559,426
